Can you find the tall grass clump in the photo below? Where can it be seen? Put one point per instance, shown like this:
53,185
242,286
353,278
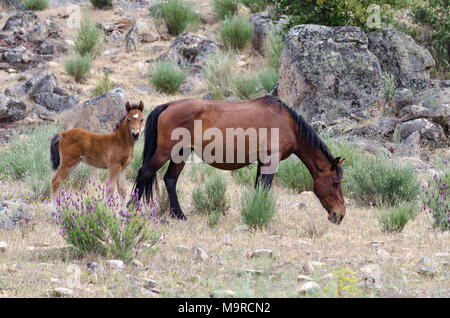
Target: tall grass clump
104,85
35,5
178,15
258,206
268,77
293,174
382,181
166,77
211,196
225,8
435,199
102,4
93,222
245,175
89,40
255,5
219,73
236,32
246,86
394,219
273,46
78,67
389,86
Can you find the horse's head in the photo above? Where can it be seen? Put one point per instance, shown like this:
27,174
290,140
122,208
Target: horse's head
327,187
134,119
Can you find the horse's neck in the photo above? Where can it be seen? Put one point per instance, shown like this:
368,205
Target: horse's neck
312,157
123,135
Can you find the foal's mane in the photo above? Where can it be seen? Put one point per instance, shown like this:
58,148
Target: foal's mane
308,132
133,106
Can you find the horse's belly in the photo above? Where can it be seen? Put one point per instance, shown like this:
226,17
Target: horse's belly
94,162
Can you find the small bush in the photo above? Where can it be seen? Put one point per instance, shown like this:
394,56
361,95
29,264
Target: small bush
245,175
166,77
382,181
35,5
293,174
389,86
394,219
246,86
178,15
436,200
219,73
268,78
258,206
225,8
201,172
89,40
211,197
104,85
236,32
93,222
255,5
273,46
102,4
78,67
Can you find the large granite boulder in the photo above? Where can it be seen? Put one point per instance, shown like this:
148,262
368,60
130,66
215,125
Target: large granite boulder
11,109
329,72
263,23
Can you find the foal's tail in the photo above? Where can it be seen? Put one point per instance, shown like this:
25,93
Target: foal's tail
54,151
146,176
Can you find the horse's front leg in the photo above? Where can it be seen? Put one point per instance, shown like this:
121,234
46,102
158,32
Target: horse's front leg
121,183
113,174
170,179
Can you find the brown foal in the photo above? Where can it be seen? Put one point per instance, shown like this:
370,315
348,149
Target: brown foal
112,151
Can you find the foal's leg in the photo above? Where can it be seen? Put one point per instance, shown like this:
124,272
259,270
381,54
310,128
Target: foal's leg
121,188
170,179
64,170
113,174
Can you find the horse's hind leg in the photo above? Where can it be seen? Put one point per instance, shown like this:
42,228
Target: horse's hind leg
64,170
170,179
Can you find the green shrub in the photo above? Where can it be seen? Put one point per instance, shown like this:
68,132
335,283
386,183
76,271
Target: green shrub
35,5
268,77
89,40
382,181
136,162
201,172
293,174
389,86
211,196
236,32
273,46
394,219
255,5
225,8
102,4
166,77
104,85
219,73
93,222
178,15
258,206
78,67
245,175
246,86
436,200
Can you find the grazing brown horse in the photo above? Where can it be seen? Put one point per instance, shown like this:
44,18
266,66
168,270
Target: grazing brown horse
113,151
295,136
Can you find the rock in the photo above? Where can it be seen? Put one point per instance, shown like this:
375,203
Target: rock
259,253
190,50
307,268
14,213
410,147
3,247
194,84
399,55
115,37
99,114
402,97
63,292
226,293
147,31
309,288
382,253
137,263
22,19
44,113
262,23
19,57
381,129
94,267
328,72
181,248
372,276
370,146
440,115
426,268
430,132
149,283
303,278
116,264
432,97
11,109
200,254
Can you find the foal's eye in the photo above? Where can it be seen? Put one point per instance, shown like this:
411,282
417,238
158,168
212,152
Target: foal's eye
129,120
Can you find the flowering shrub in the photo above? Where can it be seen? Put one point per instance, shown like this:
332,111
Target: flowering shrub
436,201
93,221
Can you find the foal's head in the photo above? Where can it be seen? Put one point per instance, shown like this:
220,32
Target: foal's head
134,119
327,187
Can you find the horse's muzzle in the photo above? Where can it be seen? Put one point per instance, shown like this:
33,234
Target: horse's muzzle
335,218
135,136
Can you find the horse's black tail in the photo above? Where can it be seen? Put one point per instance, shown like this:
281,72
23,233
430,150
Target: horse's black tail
146,177
54,151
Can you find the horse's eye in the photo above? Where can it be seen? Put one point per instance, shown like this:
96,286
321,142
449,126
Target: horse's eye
335,184
142,120
129,120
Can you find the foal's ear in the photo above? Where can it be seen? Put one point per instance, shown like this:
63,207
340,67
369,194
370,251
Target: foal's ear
338,161
141,106
128,106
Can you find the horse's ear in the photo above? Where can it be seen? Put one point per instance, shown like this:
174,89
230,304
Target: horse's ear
338,161
128,106
141,106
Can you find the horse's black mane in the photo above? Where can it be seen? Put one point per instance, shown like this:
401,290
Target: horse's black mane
133,106
308,132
